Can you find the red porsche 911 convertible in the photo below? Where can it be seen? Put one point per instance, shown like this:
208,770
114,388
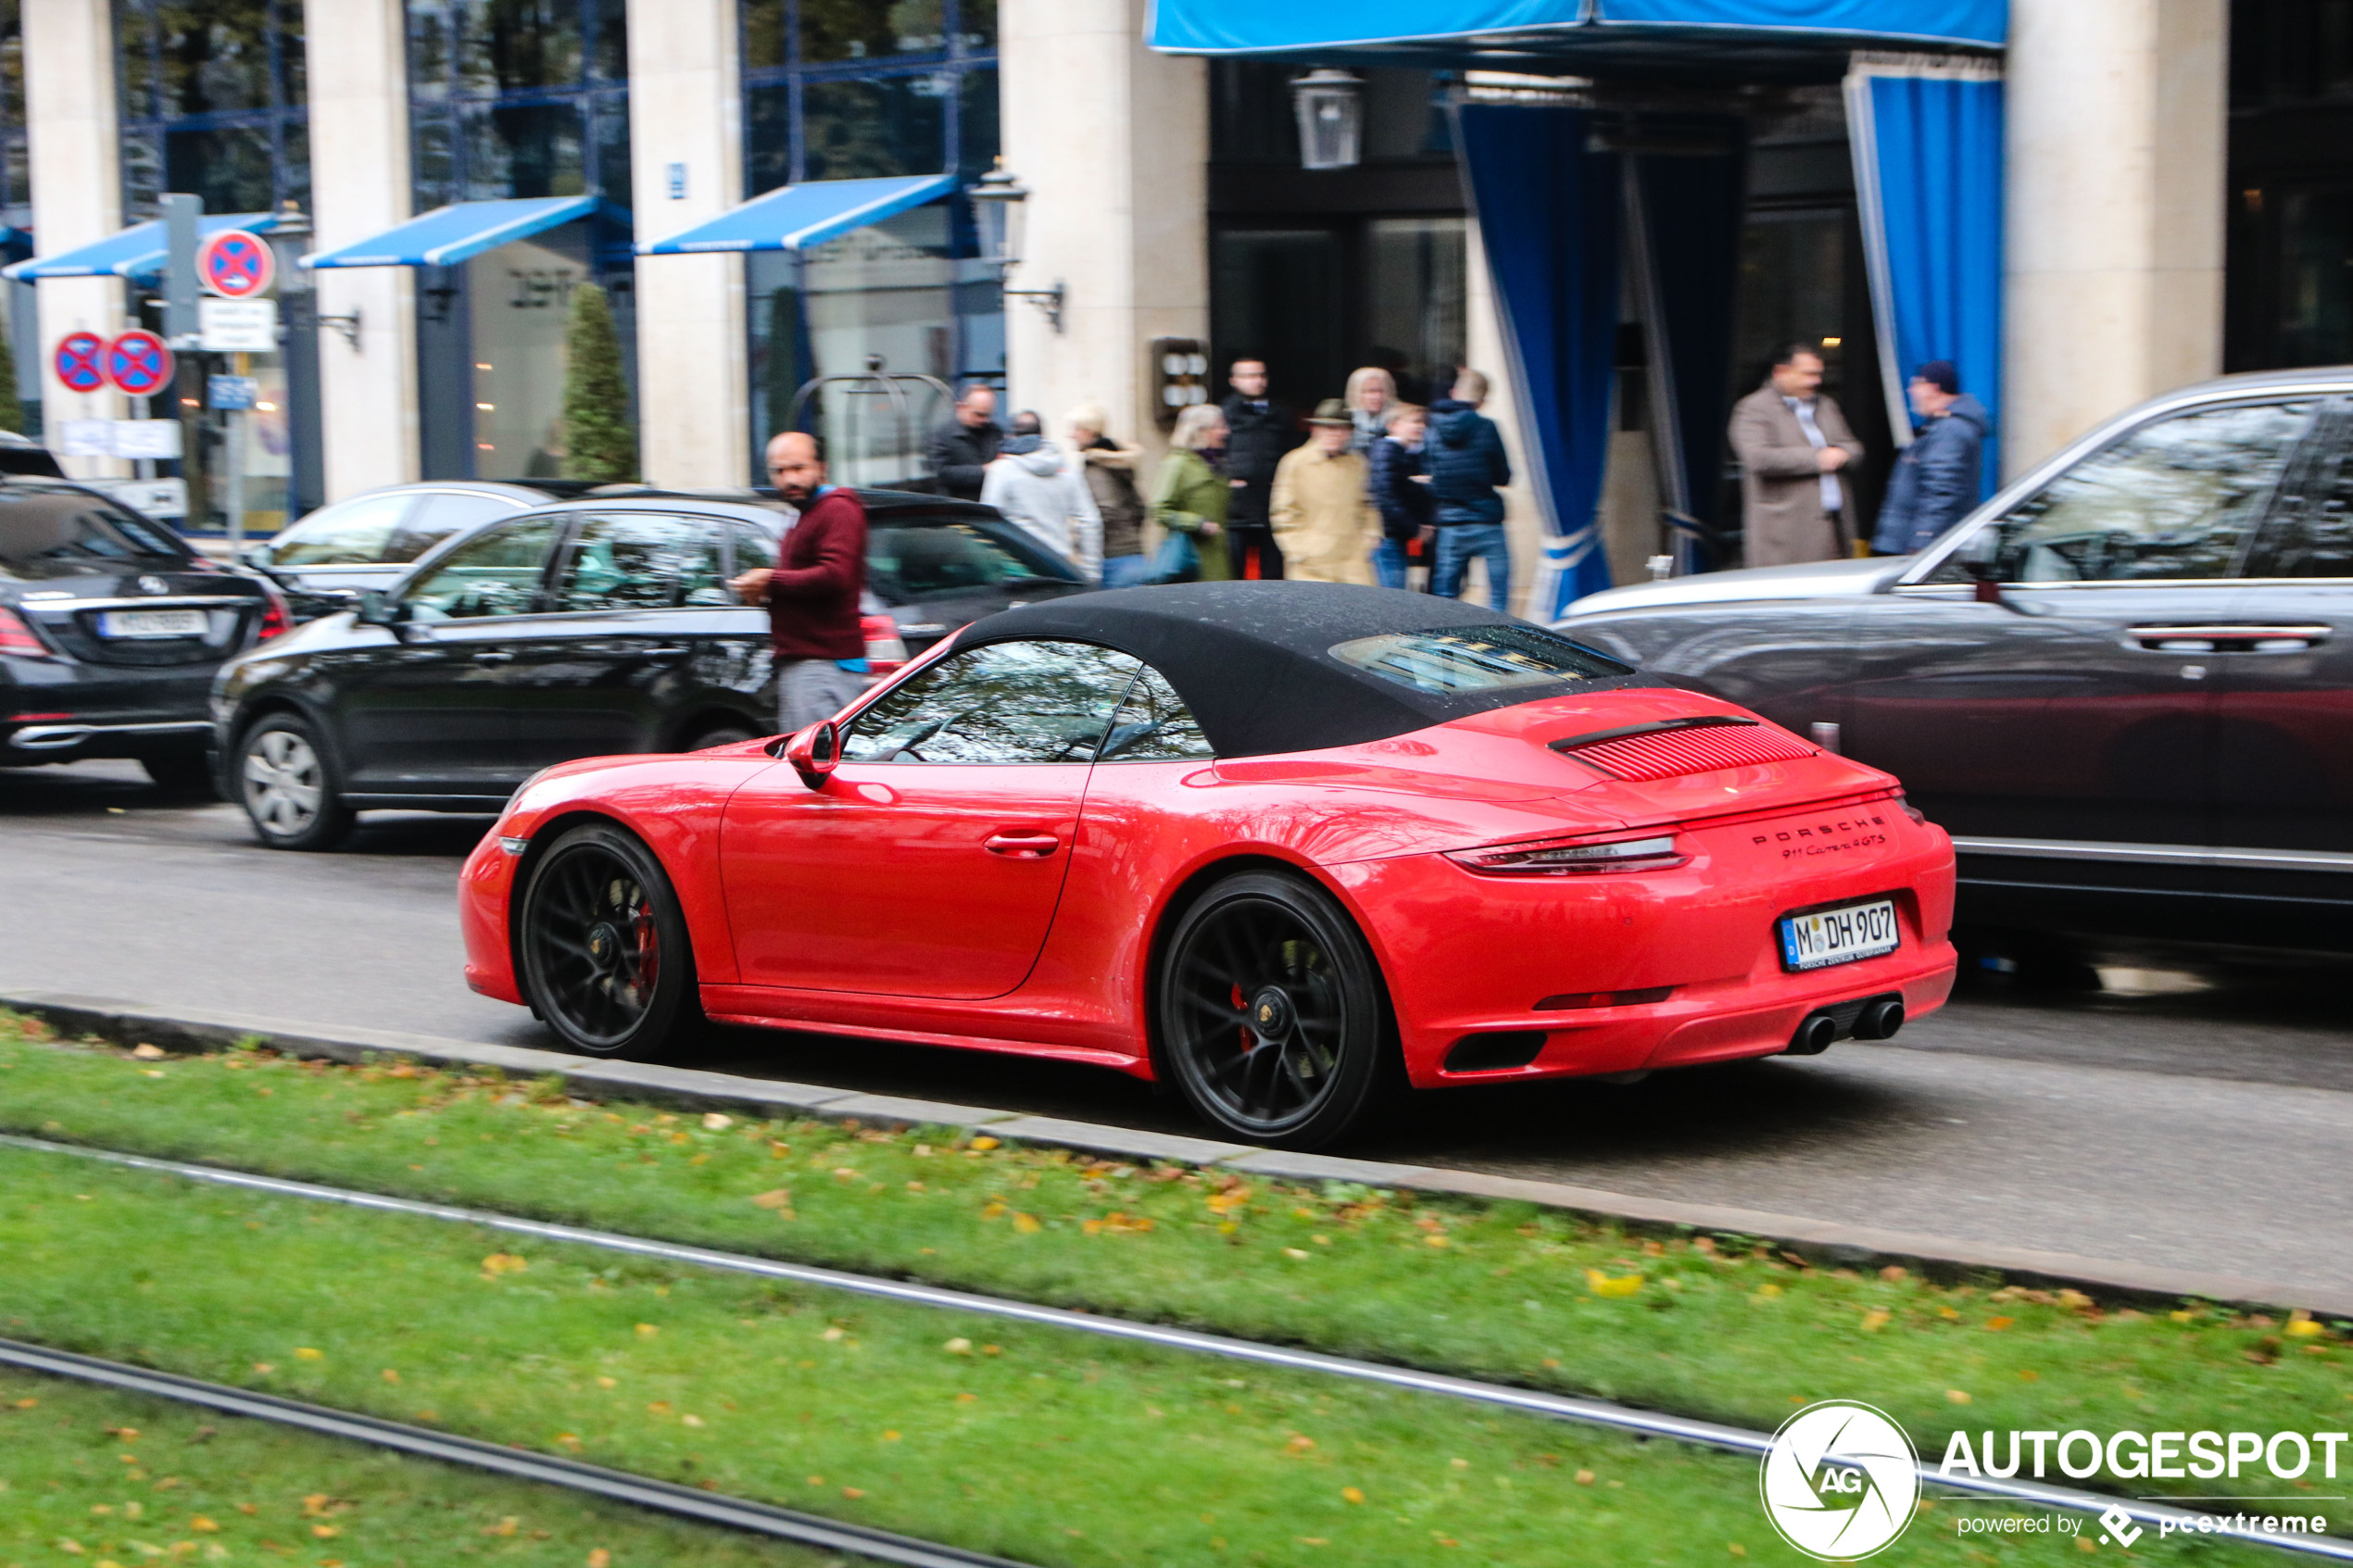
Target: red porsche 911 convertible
1292,845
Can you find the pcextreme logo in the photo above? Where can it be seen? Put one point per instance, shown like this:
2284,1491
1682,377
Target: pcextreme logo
1840,1481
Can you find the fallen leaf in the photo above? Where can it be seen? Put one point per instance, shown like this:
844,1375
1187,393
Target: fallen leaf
890,1437
146,1052
986,1143
1299,1443
202,1525
325,1532
713,1122
305,1353
506,1527
691,1420
1295,1252
1352,1494
1603,1285
1997,1325
607,1383
1875,1320
2302,1326
959,1346
1027,1225
503,1264
600,1558
1584,1477
852,1493
28,1404
646,1331
391,1376
659,1407
1958,1395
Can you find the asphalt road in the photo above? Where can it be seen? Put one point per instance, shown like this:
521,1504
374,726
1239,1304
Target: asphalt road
2194,1119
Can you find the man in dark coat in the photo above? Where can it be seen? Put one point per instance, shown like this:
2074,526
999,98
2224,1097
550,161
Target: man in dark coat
1400,489
1936,480
1467,470
964,443
1260,431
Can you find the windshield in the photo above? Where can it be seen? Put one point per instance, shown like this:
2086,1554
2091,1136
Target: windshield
55,530
1452,659
911,563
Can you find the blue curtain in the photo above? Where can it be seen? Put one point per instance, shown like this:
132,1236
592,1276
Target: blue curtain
1547,206
1694,208
1927,165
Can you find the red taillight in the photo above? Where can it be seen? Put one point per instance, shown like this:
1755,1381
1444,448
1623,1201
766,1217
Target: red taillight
18,640
274,619
1572,856
886,650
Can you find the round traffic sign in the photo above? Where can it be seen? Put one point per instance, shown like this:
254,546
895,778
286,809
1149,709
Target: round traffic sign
235,264
78,361
140,363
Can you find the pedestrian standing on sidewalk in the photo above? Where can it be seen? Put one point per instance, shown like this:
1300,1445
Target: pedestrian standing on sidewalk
1259,432
1110,473
1795,453
1468,471
1190,496
1937,478
1321,520
813,591
1372,400
1039,487
963,444
1401,494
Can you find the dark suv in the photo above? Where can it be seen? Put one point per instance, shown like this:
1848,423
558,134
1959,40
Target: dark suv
598,626
110,631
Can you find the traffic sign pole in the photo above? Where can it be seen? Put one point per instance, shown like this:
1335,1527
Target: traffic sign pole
182,215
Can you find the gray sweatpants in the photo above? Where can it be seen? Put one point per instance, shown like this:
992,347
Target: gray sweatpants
810,690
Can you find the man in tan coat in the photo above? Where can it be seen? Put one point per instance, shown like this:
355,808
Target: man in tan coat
1323,516
1795,452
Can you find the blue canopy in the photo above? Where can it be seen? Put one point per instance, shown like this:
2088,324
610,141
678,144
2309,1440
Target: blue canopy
795,217
1471,29
447,235
139,252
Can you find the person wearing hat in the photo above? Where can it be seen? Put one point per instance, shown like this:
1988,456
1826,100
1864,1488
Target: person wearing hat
1938,477
1321,520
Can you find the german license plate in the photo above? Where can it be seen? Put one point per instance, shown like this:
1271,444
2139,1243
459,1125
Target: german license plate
1842,936
152,623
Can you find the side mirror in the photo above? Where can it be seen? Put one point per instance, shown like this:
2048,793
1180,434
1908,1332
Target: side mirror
814,752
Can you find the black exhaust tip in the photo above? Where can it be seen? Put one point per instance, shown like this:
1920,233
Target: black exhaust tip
1879,1019
1814,1035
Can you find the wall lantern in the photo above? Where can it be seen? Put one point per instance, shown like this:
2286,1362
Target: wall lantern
1331,118
999,213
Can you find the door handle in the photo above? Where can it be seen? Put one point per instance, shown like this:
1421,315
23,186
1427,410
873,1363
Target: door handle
494,655
1029,845
2237,638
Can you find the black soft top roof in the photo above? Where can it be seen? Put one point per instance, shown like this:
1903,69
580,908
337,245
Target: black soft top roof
1252,659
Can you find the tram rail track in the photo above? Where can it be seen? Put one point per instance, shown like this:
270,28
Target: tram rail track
1530,1402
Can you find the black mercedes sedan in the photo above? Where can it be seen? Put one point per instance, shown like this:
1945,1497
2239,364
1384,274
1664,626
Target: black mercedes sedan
110,631
593,627
2124,684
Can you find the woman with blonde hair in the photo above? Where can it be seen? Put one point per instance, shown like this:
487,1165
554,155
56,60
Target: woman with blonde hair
1372,392
1189,497
1110,473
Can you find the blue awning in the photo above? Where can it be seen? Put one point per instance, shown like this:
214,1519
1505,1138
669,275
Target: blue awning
796,216
1493,34
138,251
447,235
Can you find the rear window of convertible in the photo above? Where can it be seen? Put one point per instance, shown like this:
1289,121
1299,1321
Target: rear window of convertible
1452,659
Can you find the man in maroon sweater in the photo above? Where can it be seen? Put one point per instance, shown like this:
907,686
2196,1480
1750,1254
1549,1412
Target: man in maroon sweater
813,591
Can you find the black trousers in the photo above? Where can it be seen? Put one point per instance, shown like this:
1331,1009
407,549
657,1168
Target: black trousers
1250,551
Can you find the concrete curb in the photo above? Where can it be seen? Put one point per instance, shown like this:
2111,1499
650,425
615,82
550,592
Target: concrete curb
190,1029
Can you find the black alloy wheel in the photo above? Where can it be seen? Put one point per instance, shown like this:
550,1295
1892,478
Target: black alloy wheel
1272,1015
602,945
286,782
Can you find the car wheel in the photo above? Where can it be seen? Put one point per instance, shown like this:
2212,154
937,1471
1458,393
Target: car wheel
605,959
730,731
181,773
1272,1015
288,787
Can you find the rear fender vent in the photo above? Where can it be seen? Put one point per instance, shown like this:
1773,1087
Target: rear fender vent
1497,1051
1675,747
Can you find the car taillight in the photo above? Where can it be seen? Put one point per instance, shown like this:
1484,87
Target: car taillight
885,649
1911,811
1572,856
274,619
18,640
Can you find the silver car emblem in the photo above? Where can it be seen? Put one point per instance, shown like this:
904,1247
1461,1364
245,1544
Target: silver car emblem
154,585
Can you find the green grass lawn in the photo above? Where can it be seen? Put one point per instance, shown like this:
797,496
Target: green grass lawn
91,1476
1040,1444
1716,1327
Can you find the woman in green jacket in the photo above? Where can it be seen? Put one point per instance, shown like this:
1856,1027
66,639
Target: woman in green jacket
1189,498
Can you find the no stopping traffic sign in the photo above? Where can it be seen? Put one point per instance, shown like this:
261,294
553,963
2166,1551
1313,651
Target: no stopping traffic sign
77,361
235,264
139,363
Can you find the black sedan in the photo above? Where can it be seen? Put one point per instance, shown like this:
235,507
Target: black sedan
2124,684
594,627
324,561
110,631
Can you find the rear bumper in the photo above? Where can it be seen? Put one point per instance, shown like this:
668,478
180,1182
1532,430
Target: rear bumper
68,741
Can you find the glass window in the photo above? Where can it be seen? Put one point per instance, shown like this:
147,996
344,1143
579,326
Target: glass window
46,533
1417,301
498,573
643,560
355,533
1154,725
2173,500
1448,659
518,298
910,563
861,30
439,516
2309,533
211,102
855,130
1007,702
755,547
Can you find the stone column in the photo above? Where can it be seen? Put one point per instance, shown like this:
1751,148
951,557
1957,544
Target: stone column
686,115
1483,331
2115,223
77,192
1113,142
359,179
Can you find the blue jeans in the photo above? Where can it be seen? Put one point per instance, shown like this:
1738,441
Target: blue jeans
1389,563
1126,572
1457,543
